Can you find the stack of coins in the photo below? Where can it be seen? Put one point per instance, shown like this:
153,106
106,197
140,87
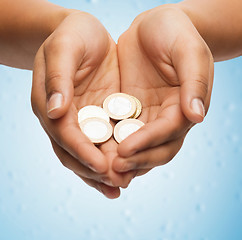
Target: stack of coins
94,121
95,124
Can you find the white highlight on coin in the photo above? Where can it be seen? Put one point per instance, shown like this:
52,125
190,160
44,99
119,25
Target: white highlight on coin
96,129
125,128
92,111
119,106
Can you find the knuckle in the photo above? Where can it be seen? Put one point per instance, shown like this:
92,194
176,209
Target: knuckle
53,75
201,82
52,78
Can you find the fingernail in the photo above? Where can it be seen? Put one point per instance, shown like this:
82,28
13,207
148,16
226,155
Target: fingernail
198,107
107,181
54,102
92,168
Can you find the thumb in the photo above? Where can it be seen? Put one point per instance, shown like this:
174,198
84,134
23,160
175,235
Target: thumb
194,67
62,61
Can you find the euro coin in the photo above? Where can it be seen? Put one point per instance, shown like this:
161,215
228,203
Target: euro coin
120,106
138,107
92,111
125,128
96,129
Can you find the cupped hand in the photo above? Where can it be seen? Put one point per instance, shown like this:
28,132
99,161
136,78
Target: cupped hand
77,66
166,64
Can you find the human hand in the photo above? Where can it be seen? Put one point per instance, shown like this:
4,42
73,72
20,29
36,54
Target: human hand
166,64
77,66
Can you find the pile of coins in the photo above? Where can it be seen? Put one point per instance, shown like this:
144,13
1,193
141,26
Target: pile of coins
94,121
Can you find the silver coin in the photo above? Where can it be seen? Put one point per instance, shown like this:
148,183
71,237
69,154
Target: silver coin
97,130
92,111
125,128
120,106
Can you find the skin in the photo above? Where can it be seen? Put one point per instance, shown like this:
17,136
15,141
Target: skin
78,60
165,59
160,45
154,54
21,37
223,36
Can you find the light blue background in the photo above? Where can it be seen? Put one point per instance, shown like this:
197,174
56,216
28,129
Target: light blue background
198,196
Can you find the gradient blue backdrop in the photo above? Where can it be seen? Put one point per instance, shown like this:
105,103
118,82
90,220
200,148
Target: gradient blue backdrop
197,196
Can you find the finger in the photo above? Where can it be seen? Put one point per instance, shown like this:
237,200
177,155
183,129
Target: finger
109,192
171,124
123,180
65,131
73,45
67,134
73,164
150,158
142,172
193,63
63,56
114,179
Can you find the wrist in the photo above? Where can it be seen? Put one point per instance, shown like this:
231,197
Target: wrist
199,20
24,29
54,18
218,23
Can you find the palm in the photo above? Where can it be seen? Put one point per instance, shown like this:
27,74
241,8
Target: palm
152,78
101,81
96,77
159,91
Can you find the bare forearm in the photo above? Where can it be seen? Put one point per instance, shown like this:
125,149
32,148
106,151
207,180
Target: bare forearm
24,25
220,24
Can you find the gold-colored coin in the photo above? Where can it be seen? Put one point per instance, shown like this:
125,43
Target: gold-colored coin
120,106
96,129
125,128
138,107
92,111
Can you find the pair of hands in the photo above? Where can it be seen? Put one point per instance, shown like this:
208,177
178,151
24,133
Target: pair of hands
161,59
